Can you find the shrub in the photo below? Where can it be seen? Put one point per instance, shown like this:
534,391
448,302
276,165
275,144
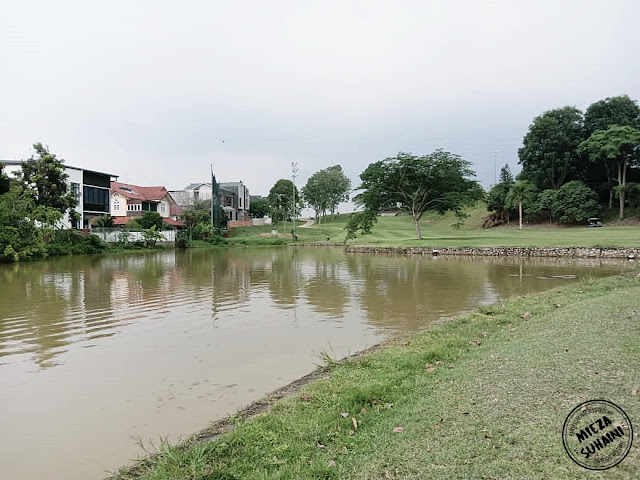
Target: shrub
575,203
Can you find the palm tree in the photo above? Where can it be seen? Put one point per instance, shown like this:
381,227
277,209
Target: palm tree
519,193
104,221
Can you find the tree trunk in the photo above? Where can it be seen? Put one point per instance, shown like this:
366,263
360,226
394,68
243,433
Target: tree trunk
623,186
418,233
520,213
610,198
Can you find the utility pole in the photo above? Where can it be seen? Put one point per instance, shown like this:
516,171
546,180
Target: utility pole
294,174
496,150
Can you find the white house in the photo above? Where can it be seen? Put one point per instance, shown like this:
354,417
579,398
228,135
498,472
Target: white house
92,189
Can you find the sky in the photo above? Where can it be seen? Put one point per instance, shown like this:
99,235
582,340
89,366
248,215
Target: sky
157,91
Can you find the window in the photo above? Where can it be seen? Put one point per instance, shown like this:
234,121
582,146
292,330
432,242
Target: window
116,204
96,199
134,207
162,208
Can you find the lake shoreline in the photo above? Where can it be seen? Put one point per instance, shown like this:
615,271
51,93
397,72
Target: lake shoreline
376,390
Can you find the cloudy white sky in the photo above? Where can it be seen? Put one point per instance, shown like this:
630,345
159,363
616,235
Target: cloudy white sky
155,91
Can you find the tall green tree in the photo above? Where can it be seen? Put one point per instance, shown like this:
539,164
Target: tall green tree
521,193
436,182
44,173
618,144
620,111
325,190
339,187
549,155
284,199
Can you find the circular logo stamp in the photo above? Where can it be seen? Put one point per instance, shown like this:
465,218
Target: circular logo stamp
597,434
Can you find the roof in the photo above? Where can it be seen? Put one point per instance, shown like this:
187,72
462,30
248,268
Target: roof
124,220
193,186
19,162
136,192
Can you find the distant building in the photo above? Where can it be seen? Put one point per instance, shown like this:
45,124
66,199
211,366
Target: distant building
92,189
234,197
129,201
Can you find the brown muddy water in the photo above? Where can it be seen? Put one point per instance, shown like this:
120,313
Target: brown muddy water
97,353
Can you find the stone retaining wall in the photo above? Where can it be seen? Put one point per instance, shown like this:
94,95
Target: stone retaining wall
585,252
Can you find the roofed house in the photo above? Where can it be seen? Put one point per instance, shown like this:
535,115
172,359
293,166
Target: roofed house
129,201
90,187
234,198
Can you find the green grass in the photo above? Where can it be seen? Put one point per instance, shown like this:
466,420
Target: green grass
494,407
437,231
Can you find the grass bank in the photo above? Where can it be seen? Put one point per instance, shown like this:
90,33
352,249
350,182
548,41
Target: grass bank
481,396
437,231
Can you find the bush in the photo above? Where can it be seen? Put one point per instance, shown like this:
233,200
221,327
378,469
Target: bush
575,203
71,242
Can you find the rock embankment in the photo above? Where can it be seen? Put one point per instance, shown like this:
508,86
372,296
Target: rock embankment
584,252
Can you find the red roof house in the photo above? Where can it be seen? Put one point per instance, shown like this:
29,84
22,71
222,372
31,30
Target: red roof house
129,201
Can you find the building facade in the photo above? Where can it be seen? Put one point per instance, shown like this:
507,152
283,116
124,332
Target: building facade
129,201
91,188
234,198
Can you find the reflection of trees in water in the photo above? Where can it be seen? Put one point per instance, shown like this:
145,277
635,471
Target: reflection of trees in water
38,305
326,290
406,292
285,281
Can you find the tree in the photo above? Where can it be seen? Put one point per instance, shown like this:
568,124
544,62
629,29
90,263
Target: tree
5,182
149,219
549,155
104,221
521,192
620,144
496,198
45,174
259,208
620,111
435,182
281,199
325,190
339,187
575,202
151,235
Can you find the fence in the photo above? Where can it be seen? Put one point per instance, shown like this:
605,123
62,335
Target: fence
115,235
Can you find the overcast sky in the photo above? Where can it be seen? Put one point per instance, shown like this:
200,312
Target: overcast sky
156,91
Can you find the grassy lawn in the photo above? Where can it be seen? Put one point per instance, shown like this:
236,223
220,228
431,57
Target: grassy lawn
481,396
437,231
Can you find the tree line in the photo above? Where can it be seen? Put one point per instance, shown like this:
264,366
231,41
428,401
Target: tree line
574,164
323,193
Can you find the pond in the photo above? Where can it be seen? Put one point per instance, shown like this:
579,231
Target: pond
100,353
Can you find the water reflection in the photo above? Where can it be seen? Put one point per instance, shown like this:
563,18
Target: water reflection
164,342
47,306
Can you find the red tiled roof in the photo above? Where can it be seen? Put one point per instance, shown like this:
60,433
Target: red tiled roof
136,192
121,220
174,223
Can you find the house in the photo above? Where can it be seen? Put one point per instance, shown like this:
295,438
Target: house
91,188
128,201
235,200
234,197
